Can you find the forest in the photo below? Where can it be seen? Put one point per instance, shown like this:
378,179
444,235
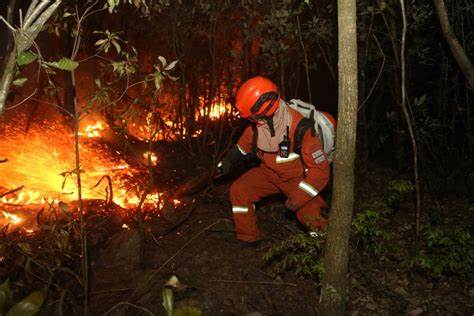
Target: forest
134,157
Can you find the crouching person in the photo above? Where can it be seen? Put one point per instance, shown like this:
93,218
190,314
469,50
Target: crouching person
293,161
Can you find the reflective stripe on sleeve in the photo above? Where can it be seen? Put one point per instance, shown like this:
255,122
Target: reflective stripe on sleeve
241,150
308,188
291,157
240,209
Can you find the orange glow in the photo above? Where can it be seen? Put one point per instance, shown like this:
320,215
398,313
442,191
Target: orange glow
93,130
12,218
150,156
216,110
43,162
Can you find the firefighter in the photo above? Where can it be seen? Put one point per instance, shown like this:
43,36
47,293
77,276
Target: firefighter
297,168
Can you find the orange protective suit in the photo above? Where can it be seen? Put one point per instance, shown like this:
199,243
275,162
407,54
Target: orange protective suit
300,178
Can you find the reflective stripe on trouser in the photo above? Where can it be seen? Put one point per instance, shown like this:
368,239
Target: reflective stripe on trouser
244,192
258,183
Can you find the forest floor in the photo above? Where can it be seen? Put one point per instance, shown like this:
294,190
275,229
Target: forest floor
220,276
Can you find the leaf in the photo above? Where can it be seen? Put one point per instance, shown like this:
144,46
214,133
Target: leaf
100,42
5,296
187,311
163,60
28,306
19,82
64,64
171,65
26,58
117,46
25,247
168,300
157,80
111,4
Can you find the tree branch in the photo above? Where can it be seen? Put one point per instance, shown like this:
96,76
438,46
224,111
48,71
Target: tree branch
458,51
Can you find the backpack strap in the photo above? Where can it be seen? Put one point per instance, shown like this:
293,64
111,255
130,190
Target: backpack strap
254,138
304,124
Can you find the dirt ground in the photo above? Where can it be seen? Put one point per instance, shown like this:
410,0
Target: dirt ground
222,277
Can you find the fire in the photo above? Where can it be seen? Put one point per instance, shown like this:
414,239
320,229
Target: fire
151,156
42,162
12,218
216,110
93,130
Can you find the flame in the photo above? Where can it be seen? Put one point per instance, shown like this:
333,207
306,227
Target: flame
150,156
216,110
93,130
43,162
12,218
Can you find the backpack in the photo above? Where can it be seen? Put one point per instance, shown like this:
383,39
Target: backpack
319,123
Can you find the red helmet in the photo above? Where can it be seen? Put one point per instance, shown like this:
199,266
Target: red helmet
257,97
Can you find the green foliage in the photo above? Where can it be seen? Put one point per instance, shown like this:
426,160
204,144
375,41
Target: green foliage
20,82
112,4
28,306
5,296
167,295
26,58
300,253
368,227
445,251
64,63
397,191
110,39
369,223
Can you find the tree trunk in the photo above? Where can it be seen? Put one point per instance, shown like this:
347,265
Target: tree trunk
334,292
458,51
7,78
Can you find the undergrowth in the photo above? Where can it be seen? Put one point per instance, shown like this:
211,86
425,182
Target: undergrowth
300,253
441,250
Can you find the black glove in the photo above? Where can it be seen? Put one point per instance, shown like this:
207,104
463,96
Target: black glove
231,159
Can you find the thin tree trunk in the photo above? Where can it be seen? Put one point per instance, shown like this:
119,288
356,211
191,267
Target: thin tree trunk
7,78
408,119
306,63
458,51
10,10
334,289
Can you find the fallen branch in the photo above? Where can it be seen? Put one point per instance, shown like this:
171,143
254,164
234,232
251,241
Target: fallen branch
11,191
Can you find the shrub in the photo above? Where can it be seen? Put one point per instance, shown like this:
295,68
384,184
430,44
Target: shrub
445,251
300,253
